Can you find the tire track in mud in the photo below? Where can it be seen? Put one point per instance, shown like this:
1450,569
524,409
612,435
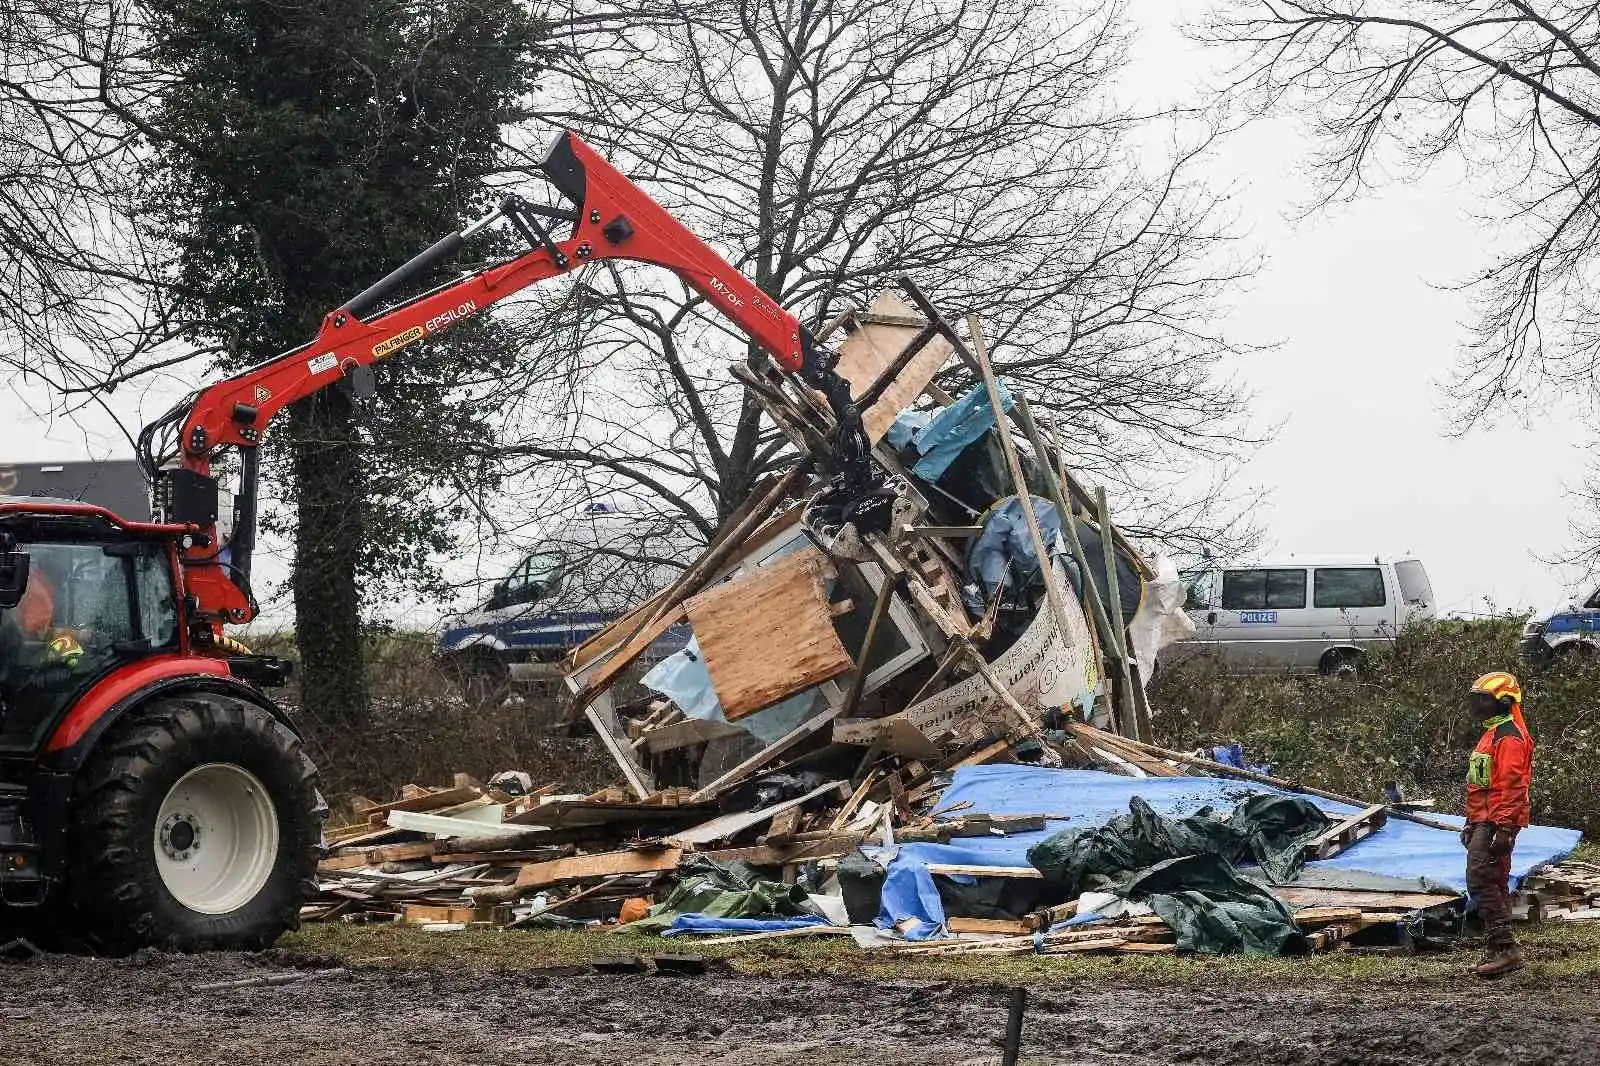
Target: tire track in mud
86,1012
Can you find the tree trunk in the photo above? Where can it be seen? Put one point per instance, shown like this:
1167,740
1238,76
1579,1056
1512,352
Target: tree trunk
328,486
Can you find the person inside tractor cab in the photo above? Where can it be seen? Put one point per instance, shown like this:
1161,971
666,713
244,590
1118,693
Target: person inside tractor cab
38,615
62,632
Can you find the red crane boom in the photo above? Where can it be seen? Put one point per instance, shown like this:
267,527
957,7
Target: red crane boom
610,218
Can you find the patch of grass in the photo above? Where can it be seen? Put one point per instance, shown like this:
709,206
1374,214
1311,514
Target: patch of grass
1559,953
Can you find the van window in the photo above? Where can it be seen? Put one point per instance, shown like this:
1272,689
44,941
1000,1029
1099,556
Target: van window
1414,585
1348,586
1198,586
1255,590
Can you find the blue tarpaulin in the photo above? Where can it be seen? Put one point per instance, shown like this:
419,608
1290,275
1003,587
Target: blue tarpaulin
1081,798
709,923
947,435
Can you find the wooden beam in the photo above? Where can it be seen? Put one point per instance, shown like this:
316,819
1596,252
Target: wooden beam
1047,571
986,925
601,864
983,871
636,646
835,845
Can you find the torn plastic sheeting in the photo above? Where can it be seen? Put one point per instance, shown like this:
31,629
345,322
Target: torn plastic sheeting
1004,551
1092,797
947,435
683,678
709,923
1006,543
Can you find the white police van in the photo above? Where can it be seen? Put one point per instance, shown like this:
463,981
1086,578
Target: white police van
1300,614
1570,630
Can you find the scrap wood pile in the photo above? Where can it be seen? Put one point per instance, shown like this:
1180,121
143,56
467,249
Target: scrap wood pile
505,854
836,683
1563,891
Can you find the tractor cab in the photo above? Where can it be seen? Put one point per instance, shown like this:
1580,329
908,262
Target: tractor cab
82,595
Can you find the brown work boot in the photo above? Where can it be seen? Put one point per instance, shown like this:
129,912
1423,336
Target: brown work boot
1501,961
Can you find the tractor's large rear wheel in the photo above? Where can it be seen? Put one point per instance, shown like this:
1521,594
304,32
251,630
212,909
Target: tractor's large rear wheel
196,825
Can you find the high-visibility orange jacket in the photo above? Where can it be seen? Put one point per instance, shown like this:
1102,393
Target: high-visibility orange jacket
36,611
1499,772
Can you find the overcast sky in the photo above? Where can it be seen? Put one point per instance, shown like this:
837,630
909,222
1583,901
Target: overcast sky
1365,332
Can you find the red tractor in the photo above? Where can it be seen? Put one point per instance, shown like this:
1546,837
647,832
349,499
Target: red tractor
149,788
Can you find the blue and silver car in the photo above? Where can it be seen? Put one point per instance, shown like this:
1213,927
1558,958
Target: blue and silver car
1570,630
579,578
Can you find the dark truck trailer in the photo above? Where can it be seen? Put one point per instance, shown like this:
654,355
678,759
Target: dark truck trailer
118,485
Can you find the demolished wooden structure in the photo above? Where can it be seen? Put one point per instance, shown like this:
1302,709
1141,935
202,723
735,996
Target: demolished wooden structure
894,662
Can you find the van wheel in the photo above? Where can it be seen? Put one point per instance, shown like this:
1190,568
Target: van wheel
1341,665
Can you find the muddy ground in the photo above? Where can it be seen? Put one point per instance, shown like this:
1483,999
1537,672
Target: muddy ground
149,1009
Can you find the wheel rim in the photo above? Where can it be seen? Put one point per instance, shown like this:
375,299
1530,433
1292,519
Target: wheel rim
216,838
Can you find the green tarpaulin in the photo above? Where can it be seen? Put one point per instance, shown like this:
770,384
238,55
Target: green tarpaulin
722,890
1184,868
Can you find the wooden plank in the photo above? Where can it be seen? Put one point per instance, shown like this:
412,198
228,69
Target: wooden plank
975,826
608,671
435,912
1366,901
985,754
986,925
1345,833
882,334
949,868
682,734
768,634
1323,915
601,864
428,801
727,825
354,860
830,847
783,828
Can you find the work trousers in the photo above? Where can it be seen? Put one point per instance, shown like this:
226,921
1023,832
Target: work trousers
1489,882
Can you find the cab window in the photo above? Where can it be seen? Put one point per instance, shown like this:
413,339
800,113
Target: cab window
1348,586
1262,589
88,608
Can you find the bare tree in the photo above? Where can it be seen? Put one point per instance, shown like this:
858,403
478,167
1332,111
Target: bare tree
828,147
1509,87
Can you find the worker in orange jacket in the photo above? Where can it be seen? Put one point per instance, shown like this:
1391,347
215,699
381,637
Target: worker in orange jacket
1498,775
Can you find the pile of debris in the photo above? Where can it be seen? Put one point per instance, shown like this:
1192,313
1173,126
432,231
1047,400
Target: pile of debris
852,739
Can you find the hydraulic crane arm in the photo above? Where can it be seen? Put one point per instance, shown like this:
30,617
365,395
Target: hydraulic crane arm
609,218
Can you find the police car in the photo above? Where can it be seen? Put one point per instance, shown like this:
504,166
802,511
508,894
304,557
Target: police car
582,575
1566,631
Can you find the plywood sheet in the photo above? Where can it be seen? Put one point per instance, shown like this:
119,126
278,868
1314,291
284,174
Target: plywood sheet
874,346
768,634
